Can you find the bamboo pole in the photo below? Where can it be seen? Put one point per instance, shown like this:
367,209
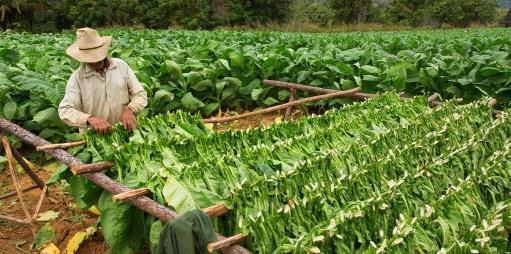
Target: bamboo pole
218,245
91,168
282,106
100,179
130,194
61,146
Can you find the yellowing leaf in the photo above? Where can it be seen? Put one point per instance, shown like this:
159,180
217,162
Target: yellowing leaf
278,119
93,209
209,126
50,249
48,216
75,241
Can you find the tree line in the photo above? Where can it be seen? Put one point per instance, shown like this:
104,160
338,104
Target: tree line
56,15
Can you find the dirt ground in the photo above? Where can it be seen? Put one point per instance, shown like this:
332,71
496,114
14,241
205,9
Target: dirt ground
18,238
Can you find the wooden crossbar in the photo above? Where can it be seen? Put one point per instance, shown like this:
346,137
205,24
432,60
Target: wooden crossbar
91,168
218,245
130,194
61,146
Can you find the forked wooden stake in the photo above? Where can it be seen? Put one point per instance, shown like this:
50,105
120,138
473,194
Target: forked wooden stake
91,168
10,165
225,242
130,194
61,146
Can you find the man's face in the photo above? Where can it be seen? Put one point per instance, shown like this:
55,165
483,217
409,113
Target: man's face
97,65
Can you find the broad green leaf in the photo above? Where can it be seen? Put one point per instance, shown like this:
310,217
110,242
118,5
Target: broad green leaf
9,110
163,96
178,196
203,85
191,103
270,101
367,69
123,226
256,93
44,235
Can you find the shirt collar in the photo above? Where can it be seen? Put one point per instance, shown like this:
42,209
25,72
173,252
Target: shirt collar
87,71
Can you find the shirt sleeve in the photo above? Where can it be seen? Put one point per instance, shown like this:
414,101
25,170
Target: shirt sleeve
70,108
138,95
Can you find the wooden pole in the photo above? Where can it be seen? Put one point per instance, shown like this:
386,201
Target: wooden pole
100,179
290,109
39,203
216,210
13,193
9,218
61,146
282,106
19,158
313,89
433,97
303,107
225,243
91,168
130,194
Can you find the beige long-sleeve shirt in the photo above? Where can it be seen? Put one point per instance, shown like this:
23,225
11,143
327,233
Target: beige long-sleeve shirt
90,94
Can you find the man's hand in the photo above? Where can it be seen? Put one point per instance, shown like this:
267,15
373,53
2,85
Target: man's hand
99,125
128,119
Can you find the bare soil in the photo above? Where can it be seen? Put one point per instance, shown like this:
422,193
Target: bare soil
18,238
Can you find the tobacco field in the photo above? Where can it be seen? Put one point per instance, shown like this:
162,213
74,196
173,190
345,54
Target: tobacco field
384,175
202,72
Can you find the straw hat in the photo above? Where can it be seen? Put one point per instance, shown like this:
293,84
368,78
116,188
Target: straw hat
89,46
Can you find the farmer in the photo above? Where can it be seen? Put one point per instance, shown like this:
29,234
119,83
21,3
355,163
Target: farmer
103,90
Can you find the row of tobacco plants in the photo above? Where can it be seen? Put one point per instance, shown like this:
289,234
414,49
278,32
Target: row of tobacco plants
203,71
383,175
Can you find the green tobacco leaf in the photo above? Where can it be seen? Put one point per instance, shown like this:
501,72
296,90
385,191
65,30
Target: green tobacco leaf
44,235
178,196
9,55
154,235
367,69
173,68
163,96
203,85
233,81
210,108
62,173
270,101
191,103
256,93
123,226
9,110
47,115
